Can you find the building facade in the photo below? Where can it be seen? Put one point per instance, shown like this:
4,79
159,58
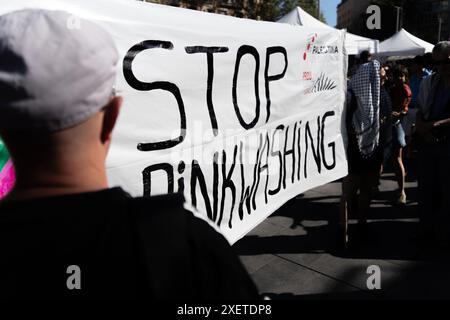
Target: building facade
426,19
227,7
349,10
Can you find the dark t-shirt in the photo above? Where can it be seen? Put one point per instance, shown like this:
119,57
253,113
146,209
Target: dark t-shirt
123,247
440,108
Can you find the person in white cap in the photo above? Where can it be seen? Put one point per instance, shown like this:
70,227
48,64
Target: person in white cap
63,232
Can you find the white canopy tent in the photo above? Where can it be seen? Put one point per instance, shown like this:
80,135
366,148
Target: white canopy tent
353,44
404,44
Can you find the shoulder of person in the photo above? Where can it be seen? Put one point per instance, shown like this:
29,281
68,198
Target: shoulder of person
168,206
376,64
164,202
166,215
209,263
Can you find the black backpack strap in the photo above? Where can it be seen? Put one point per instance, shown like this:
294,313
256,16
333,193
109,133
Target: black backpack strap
161,238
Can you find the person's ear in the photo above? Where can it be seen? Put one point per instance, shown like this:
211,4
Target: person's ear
109,120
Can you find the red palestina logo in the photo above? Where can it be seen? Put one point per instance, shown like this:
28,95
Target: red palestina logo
311,38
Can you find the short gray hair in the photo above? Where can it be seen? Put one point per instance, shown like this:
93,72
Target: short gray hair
442,46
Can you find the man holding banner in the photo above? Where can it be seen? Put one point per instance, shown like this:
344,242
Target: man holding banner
80,238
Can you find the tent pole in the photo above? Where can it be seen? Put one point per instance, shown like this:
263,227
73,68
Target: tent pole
398,18
318,8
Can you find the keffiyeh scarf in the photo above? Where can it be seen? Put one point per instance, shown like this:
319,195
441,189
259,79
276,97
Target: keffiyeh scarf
366,118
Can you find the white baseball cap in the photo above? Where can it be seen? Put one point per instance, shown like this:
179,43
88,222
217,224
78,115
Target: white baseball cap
54,73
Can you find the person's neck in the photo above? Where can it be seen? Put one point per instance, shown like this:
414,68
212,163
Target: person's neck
38,181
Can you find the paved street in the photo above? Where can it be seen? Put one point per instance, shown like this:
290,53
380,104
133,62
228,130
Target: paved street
293,254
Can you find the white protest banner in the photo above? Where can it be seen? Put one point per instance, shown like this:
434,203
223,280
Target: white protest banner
239,115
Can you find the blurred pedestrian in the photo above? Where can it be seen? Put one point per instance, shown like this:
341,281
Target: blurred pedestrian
385,119
401,97
363,152
433,130
417,74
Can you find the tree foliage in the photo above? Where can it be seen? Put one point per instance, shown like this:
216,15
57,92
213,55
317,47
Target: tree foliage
275,9
268,10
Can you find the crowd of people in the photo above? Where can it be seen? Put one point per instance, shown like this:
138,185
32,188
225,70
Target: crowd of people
398,111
